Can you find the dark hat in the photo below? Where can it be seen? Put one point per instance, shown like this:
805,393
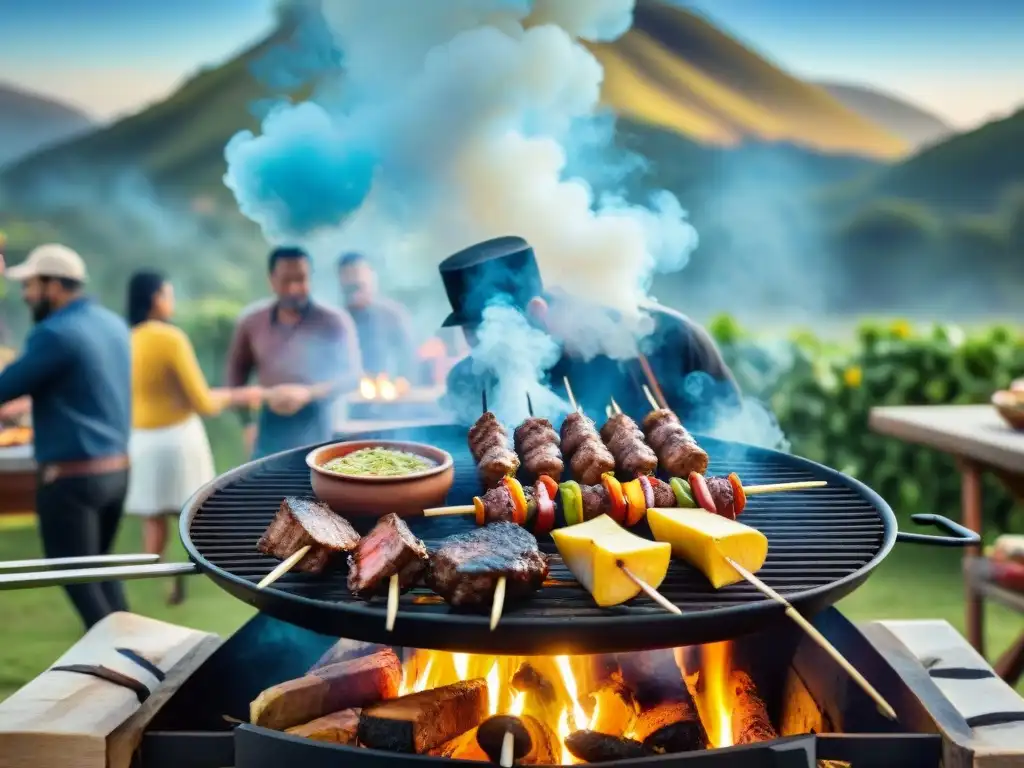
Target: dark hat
503,267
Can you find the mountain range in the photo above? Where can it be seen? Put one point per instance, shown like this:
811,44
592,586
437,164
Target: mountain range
916,126
29,122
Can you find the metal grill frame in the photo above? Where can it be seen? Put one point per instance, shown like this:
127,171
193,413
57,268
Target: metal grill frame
638,625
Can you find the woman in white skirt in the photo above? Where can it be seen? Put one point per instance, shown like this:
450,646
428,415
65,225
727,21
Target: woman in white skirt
169,451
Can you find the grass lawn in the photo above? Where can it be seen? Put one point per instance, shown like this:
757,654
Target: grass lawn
38,625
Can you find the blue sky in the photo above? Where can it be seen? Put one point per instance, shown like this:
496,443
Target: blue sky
963,60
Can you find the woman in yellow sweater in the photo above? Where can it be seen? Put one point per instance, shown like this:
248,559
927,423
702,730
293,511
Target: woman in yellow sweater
169,451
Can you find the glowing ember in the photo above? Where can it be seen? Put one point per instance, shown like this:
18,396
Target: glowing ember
367,389
383,388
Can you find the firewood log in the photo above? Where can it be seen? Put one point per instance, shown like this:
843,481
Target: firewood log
335,728
750,722
534,743
593,747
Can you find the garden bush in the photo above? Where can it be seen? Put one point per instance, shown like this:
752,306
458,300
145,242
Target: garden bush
823,393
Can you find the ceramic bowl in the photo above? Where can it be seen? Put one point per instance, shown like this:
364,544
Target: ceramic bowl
1010,405
405,495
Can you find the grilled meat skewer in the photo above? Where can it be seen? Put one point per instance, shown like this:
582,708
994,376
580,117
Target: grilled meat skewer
583,448
488,442
626,444
302,522
538,445
389,549
466,568
677,451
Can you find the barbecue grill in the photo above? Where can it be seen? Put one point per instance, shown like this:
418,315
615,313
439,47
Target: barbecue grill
822,545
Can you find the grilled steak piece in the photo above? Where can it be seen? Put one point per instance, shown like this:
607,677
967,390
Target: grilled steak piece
678,453
590,461
301,522
419,722
465,569
335,728
724,496
348,684
388,549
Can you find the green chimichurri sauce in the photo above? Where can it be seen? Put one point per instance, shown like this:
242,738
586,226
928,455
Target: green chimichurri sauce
378,462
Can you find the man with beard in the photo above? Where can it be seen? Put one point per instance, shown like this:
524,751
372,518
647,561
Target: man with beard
76,368
303,353
681,356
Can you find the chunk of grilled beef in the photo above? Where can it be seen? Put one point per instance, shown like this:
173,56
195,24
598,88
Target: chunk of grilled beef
388,549
678,453
664,496
465,569
304,522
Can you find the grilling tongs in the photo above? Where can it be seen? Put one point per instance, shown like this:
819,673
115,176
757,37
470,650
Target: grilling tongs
61,571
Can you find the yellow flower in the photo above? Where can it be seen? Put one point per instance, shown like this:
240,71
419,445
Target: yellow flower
853,376
901,329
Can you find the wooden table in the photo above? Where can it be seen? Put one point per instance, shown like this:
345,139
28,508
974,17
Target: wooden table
17,479
981,442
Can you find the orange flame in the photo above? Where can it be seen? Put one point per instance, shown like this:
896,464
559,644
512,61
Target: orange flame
383,388
716,704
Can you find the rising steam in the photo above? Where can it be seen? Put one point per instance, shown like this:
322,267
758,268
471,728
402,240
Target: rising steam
452,123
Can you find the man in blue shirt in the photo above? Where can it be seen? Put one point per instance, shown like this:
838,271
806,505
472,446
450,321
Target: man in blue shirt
76,367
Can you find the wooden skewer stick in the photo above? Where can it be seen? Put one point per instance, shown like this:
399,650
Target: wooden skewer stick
483,400
508,743
615,407
529,404
749,490
659,396
568,391
754,490
284,567
393,592
817,637
650,591
608,412
499,602
650,398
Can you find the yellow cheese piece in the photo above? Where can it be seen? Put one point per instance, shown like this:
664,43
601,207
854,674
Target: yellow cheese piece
704,540
595,552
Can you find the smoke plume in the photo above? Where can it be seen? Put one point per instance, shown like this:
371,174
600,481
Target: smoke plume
451,123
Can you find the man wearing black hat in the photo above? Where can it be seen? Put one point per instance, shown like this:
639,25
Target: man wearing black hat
677,356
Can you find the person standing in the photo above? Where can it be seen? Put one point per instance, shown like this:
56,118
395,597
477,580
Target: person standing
76,367
169,451
304,354
384,328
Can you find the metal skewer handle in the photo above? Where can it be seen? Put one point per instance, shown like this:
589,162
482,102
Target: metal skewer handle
60,578
88,561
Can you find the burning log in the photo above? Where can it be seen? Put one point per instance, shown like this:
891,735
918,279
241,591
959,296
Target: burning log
462,747
345,650
750,723
529,681
593,747
348,684
336,728
419,722
533,742
612,709
653,677
671,727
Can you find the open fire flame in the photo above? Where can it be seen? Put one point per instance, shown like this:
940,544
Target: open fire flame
573,698
382,387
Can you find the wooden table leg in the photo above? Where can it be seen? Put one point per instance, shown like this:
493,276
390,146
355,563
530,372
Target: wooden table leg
970,500
1011,664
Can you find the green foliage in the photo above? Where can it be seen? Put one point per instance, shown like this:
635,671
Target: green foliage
822,396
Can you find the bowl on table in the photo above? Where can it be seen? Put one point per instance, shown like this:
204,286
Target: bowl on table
371,495
1010,405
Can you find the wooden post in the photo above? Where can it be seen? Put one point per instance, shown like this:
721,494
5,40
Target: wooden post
971,511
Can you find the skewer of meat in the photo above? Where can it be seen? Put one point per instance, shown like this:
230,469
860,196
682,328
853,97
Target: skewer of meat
538,446
483,566
307,535
677,451
626,503
389,554
626,444
582,447
488,442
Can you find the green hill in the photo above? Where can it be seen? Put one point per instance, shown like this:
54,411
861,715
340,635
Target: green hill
673,72
971,171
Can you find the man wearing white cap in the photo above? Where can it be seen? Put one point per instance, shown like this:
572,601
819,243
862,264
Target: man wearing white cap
76,367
